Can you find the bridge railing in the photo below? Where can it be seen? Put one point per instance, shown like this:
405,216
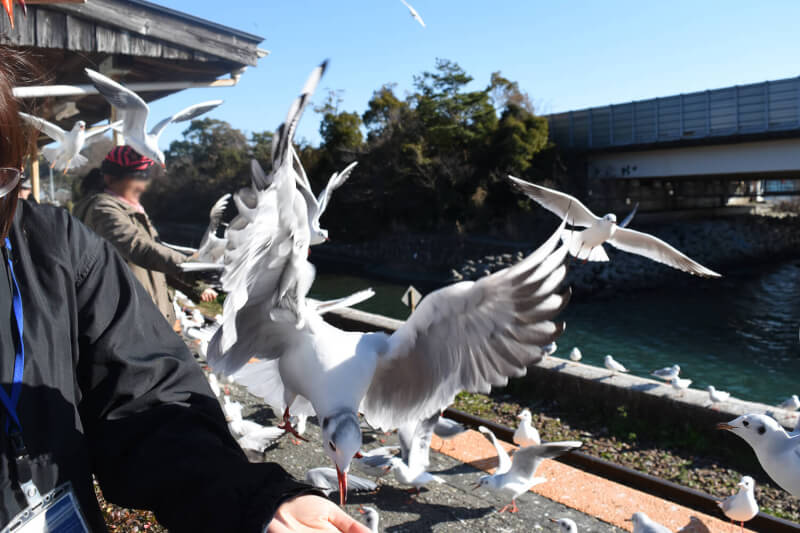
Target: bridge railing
743,109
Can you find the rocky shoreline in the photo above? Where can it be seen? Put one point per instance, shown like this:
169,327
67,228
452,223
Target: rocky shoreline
721,243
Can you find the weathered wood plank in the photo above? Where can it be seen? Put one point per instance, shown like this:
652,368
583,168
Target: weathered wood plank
80,35
155,24
122,44
51,28
105,38
170,52
144,47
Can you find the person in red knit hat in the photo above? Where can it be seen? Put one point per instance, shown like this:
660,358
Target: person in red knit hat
113,211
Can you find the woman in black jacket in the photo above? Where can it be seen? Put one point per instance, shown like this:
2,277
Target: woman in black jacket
108,389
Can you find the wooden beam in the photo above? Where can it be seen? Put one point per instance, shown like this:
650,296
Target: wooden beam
158,25
35,176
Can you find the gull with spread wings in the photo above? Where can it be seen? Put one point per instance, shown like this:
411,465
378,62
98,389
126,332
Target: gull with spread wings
588,244
66,154
467,336
134,113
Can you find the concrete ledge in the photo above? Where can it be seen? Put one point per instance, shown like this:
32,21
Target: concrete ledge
569,382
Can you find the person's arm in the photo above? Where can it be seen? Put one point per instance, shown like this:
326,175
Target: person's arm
157,437
132,244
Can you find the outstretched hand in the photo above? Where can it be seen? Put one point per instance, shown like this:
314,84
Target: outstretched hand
209,295
308,514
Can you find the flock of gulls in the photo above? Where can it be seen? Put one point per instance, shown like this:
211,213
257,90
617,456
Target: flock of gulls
468,336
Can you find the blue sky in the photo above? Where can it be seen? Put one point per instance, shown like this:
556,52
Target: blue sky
566,55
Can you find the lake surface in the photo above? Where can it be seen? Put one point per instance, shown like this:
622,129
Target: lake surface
740,335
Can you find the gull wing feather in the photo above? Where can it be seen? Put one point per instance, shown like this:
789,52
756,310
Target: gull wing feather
134,109
325,479
336,181
183,115
215,217
347,301
469,336
447,428
415,442
528,459
48,128
557,202
99,130
281,149
503,460
636,242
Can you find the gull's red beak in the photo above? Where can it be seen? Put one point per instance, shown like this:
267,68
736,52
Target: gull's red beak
342,486
723,425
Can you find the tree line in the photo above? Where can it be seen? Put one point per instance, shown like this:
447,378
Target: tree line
433,160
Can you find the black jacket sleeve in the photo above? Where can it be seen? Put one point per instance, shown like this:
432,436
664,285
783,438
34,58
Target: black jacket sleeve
158,437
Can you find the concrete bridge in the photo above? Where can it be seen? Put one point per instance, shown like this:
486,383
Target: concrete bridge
701,149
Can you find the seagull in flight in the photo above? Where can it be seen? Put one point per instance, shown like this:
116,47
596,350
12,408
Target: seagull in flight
777,451
414,13
66,154
467,336
134,114
211,247
517,477
316,205
588,244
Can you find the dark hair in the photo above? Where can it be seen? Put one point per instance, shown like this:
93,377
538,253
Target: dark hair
15,142
92,182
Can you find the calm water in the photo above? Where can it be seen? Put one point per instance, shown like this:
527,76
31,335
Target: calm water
741,335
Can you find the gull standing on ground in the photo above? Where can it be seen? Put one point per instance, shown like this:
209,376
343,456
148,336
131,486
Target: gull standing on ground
66,154
717,396
249,435
134,114
567,525
575,354
777,451
588,244
644,524
467,336
610,363
526,434
414,13
667,373
742,506
791,404
517,477
680,384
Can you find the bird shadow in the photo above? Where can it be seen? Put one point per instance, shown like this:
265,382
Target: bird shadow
695,525
460,468
395,500
560,366
644,387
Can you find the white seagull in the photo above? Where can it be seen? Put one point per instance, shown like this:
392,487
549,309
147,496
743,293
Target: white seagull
742,506
325,479
526,434
644,524
667,373
134,114
467,336
680,384
588,244
375,462
575,354
777,451
717,396
211,247
414,13
249,435
792,403
66,154
371,517
517,477
316,205
610,363
567,525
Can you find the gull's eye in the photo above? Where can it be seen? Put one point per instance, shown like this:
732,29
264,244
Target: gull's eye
333,447
762,430
745,423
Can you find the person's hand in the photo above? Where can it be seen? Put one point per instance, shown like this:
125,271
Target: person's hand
309,513
209,295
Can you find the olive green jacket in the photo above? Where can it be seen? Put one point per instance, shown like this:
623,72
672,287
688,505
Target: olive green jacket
136,240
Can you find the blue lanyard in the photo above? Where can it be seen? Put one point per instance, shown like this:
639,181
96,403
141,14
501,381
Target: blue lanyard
10,403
